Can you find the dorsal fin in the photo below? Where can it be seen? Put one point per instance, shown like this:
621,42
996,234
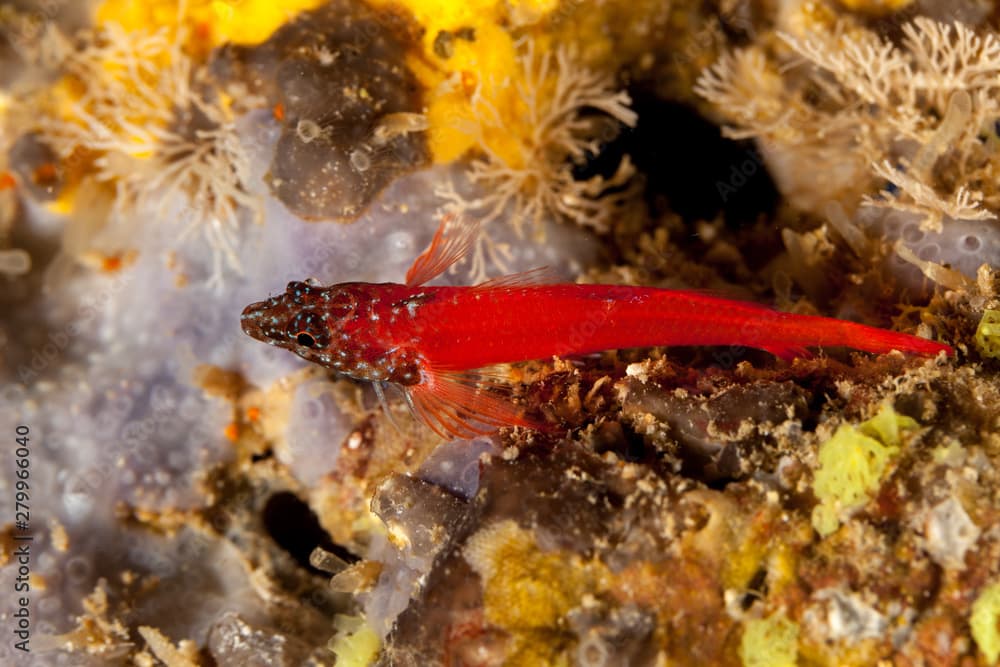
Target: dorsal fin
452,240
543,275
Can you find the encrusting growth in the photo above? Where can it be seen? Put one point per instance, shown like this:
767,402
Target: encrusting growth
879,106
531,135
136,102
907,126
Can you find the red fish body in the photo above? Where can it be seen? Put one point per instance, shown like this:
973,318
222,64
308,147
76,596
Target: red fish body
432,341
462,327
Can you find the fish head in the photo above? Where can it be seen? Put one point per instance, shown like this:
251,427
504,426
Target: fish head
307,319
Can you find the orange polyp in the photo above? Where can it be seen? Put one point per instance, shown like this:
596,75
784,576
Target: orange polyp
116,262
203,31
253,413
279,112
469,82
7,181
111,263
45,173
232,431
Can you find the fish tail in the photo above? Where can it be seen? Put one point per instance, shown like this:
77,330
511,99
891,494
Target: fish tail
872,339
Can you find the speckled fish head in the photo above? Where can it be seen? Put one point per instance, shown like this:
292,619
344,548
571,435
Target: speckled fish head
307,319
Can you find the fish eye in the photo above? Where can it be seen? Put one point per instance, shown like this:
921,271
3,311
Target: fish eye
308,330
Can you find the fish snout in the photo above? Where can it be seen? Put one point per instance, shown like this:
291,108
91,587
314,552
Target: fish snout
258,322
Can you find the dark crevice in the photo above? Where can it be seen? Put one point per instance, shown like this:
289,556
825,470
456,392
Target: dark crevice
263,456
296,529
688,165
756,589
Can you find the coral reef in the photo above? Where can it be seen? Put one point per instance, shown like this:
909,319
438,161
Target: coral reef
906,127
531,148
614,540
528,112
197,498
134,106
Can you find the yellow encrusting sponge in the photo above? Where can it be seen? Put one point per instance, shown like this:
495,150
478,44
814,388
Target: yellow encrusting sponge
852,464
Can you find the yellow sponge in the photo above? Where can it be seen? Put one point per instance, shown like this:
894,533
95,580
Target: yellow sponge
214,22
985,623
355,644
770,642
876,7
988,334
851,465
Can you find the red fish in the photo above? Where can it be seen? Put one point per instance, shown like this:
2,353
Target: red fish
437,343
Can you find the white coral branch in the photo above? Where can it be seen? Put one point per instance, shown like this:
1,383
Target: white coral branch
861,63
556,90
929,98
963,204
735,83
951,57
137,89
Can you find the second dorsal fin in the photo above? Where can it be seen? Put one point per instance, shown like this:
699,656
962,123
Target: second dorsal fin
542,275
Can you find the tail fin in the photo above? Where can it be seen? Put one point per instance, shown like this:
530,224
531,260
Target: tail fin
871,339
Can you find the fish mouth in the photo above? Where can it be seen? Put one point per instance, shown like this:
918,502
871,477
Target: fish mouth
252,320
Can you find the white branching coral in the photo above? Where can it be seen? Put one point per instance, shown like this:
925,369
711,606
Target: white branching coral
136,102
891,117
529,175
921,198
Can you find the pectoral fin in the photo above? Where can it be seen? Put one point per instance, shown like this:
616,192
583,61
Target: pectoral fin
464,405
